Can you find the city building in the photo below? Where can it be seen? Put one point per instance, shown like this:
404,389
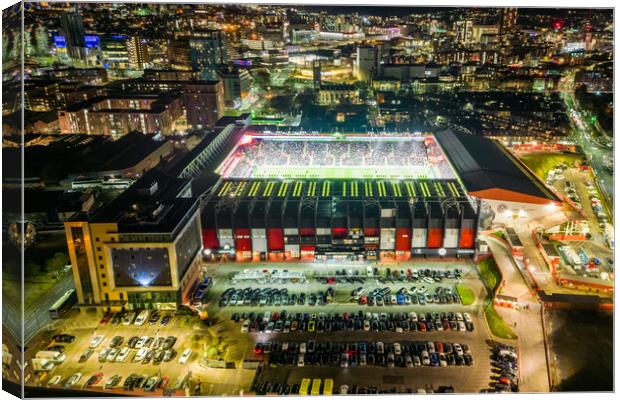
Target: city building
367,62
237,85
208,52
137,52
118,115
141,251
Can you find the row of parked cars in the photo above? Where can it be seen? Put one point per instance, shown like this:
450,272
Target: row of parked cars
415,295
286,322
284,389
426,275
361,354
151,317
147,349
133,381
273,296
505,366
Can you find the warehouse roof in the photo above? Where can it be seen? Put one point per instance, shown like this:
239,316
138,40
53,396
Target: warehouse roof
489,171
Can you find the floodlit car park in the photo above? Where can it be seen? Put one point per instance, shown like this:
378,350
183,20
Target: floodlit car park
133,352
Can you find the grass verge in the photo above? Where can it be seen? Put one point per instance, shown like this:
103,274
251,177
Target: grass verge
498,326
466,294
489,272
542,163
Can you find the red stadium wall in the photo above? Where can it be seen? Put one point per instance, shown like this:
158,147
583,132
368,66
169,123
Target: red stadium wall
467,238
307,231
242,240
435,238
339,232
403,239
275,239
371,231
209,239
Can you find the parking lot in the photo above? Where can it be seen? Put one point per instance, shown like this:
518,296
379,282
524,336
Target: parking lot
473,379
234,344
184,329
597,219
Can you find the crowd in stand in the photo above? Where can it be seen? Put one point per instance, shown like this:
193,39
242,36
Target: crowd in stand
331,154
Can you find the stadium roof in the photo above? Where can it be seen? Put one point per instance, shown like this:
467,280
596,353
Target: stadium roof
490,172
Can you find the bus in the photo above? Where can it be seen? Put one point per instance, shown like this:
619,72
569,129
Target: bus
303,388
63,304
316,387
328,387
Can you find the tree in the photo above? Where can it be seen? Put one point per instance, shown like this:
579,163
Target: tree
56,262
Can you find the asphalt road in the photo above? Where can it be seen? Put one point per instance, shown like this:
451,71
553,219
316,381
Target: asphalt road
527,324
37,316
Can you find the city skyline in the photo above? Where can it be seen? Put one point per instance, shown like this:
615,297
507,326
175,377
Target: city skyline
253,199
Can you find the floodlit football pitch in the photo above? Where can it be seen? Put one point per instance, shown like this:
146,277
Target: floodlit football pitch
340,172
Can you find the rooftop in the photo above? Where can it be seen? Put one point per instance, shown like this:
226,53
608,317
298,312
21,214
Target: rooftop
490,172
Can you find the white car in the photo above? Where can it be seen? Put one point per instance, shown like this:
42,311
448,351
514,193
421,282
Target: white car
344,389
112,355
430,346
246,326
140,343
185,356
408,361
380,348
123,354
397,348
73,379
301,360
302,348
142,318
96,341
459,316
425,358
461,326
467,317
367,325
55,380
443,362
413,316
141,354
458,350
128,319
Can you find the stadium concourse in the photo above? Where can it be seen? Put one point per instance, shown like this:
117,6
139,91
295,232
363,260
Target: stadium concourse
283,197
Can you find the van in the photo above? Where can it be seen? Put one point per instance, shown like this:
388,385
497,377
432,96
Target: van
54,356
42,365
142,317
267,316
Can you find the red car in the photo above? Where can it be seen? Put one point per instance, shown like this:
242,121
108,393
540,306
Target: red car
363,299
93,380
439,347
106,318
422,326
331,280
164,382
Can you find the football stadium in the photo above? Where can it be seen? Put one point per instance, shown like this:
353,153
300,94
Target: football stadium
299,196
